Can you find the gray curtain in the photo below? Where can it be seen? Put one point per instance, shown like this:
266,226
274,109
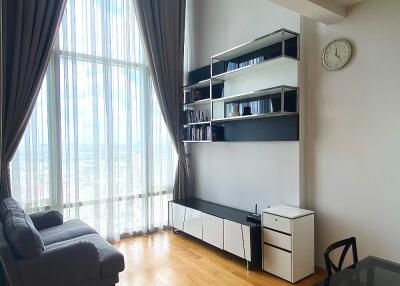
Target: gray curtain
29,29
162,25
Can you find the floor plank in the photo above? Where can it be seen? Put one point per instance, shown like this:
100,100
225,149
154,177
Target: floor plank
164,258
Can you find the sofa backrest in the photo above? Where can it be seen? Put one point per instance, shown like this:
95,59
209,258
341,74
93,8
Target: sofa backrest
8,261
23,238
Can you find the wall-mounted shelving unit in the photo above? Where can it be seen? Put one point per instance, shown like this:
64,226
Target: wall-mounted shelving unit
267,114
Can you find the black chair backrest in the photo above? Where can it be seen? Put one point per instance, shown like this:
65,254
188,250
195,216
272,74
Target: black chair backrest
346,243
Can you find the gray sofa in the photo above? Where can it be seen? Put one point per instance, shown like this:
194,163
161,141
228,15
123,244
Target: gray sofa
41,250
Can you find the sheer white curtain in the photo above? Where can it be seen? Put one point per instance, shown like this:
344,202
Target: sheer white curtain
96,146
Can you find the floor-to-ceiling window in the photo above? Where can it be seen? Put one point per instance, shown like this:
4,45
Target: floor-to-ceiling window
96,146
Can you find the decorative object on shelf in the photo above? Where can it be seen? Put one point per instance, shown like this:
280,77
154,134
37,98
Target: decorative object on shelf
246,110
235,110
336,54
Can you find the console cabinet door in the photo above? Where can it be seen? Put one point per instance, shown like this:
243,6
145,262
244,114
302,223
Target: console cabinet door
233,238
213,230
193,223
178,216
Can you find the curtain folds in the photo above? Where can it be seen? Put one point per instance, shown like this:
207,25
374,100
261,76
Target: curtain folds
29,29
96,146
162,25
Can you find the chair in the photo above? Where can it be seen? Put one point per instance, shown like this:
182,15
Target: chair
346,243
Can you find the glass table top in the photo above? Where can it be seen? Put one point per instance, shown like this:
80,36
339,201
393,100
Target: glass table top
371,271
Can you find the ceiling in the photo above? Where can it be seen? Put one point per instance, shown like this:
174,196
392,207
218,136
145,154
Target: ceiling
324,11
346,3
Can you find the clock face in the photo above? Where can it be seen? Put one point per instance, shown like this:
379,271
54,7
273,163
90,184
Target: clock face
336,54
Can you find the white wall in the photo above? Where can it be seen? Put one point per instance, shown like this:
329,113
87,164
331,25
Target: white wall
352,119
353,132
240,174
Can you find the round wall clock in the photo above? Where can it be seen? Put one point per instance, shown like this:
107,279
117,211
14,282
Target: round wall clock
336,54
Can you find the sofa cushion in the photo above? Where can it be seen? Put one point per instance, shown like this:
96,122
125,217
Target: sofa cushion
111,260
46,219
68,230
25,241
7,205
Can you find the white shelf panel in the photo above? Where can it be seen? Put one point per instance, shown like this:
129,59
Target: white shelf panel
254,94
200,84
253,116
196,141
197,123
198,102
256,44
203,83
268,64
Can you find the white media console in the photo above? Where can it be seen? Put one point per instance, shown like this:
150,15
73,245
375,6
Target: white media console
223,227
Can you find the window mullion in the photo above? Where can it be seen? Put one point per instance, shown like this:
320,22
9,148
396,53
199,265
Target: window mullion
147,134
54,135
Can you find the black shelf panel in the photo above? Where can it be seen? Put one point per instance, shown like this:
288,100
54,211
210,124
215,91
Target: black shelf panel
217,210
280,128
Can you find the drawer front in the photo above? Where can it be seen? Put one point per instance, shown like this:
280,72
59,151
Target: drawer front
193,223
277,239
277,262
277,223
213,230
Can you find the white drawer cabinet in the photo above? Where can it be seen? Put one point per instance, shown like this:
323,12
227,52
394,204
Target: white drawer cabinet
213,230
288,242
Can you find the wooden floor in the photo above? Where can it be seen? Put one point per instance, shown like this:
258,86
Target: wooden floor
164,258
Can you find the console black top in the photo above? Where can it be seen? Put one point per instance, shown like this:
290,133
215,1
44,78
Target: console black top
217,210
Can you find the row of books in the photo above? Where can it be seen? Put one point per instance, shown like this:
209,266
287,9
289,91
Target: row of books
195,116
198,133
232,66
204,133
261,106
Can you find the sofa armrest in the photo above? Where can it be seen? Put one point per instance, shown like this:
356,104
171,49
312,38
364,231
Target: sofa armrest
63,265
46,219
